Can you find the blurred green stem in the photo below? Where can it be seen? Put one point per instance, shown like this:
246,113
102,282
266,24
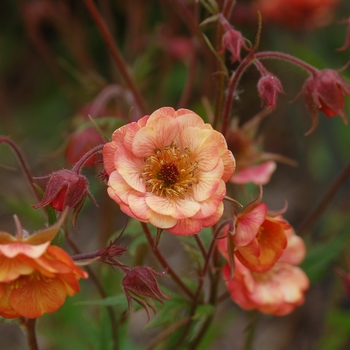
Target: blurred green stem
250,331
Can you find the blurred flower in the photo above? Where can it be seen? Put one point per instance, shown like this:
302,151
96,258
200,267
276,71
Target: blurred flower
35,277
253,164
169,169
257,240
297,14
65,189
324,92
80,142
140,284
277,291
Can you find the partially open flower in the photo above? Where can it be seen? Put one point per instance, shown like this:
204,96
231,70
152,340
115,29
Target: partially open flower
35,277
140,284
257,239
324,92
277,291
169,169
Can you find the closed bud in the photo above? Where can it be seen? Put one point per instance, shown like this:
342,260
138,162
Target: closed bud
269,86
140,284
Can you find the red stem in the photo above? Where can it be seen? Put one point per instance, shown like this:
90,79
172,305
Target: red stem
77,167
108,38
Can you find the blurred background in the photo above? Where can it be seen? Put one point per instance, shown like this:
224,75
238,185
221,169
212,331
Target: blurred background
56,70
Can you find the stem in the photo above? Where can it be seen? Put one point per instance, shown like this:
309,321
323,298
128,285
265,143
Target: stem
164,263
325,200
249,59
77,167
22,162
107,36
99,287
200,245
248,344
28,326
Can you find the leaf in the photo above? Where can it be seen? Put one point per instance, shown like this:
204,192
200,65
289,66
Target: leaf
204,310
118,300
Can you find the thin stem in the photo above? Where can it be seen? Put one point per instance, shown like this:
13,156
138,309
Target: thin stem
22,162
28,326
77,167
108,38
325,200
200,245
250,330
164,263
99,287
249,59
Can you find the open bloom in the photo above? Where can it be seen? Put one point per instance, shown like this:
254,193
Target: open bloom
277,291
257,239
169,169
35,277
324,92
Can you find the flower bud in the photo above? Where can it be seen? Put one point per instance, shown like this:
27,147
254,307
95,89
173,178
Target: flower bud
324,91
140,284
269,87
66,188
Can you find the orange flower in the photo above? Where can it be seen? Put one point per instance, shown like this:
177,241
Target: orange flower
169,169
297,13
35,277
258,240
277,291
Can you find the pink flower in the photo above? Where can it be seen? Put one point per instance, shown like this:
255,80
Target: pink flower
257,240
169,169
324,92
277,291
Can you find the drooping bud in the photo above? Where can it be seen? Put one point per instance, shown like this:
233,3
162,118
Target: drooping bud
324,91
232,40
66,188
269,86
140,284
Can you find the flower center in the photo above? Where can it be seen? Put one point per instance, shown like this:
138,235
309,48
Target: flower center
169,172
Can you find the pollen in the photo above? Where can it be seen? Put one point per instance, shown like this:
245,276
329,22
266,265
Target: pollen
170,172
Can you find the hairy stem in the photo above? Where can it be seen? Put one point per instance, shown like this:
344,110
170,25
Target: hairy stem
28,326
164,263
77,167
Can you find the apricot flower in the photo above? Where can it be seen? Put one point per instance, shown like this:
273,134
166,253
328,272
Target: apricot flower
258,240
35,277
169,169
277,291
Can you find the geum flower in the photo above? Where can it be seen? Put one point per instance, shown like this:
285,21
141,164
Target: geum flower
277,291
324,92
169,169
35,277
256,239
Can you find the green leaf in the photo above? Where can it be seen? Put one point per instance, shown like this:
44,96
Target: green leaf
118,301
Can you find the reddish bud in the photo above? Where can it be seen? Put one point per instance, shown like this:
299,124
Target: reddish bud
66,188
140,284
324,91
269,87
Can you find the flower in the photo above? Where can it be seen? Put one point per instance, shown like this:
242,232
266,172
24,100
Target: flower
35,277
277,291
297,14
257,240
169,169
324,91
140,284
